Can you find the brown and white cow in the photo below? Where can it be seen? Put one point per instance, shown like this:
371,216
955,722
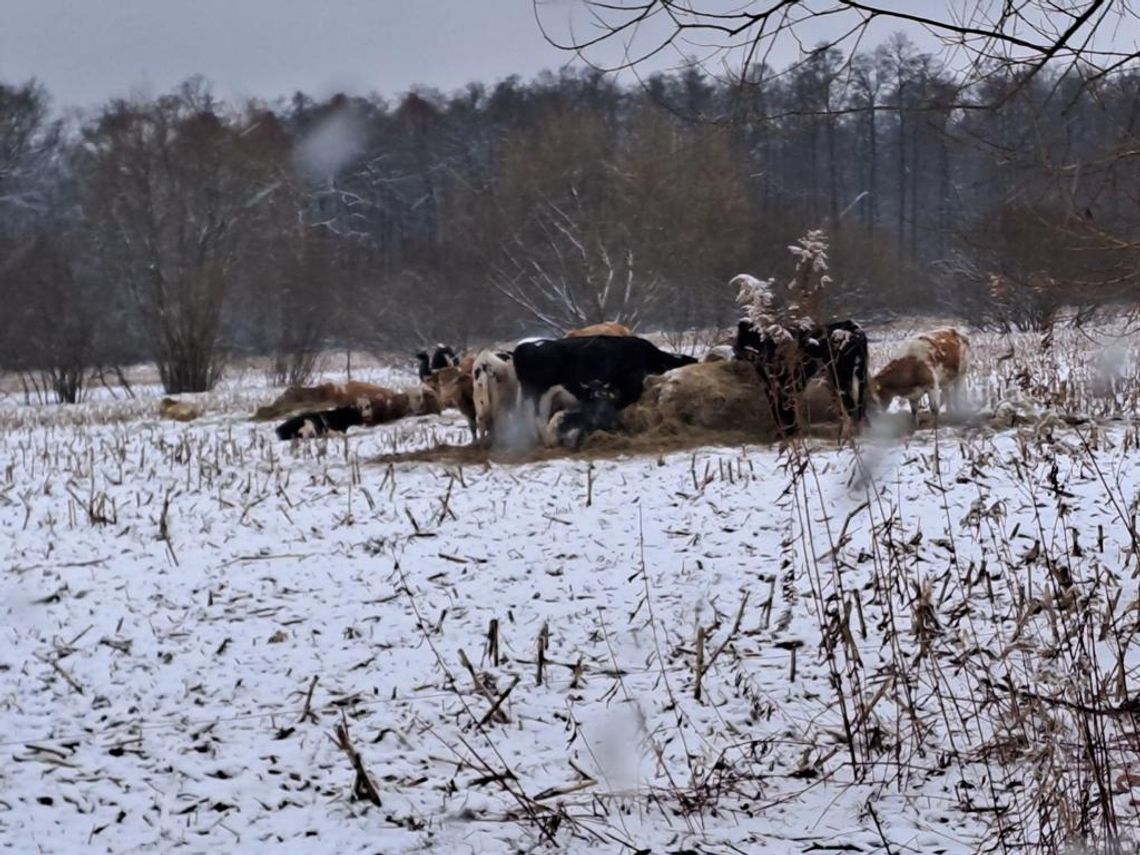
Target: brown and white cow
324,395
387,404
605,328
933,363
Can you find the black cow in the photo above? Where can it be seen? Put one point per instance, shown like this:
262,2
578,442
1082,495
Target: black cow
442,357
308,425
788,357
619,362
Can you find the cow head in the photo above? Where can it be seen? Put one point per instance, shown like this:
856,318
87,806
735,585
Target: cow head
423,400
364,407
442,357
599,390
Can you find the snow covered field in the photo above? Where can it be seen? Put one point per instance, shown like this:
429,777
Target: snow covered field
917,646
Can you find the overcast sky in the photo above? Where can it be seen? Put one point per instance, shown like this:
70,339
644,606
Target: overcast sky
86,51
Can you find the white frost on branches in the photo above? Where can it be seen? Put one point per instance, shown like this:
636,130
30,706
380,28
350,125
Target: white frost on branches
757,299
811,278
757,296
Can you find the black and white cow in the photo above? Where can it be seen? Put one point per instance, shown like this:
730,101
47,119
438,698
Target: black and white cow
339,420
620,363
787,357
442,357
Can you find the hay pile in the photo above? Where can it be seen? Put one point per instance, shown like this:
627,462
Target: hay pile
818,404
714,396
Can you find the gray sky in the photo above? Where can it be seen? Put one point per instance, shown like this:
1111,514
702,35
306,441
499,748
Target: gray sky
86,51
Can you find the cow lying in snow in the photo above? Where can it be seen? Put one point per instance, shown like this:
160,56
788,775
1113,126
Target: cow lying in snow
387,405
308,425
392,405
931,363
322,396
605,328
788,357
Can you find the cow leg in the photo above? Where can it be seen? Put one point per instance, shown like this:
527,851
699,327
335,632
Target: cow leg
954,396
914,400
846,406
935,396
549,432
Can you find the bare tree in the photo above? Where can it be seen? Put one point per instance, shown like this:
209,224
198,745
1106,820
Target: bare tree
567,271
55,316
27,139
174,197
612,34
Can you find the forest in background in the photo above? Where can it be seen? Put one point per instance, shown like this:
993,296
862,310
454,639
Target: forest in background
187,231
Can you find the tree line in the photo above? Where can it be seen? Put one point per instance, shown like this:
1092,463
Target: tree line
187,231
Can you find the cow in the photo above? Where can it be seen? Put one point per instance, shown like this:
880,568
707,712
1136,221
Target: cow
931,363
906,377
495,392
566,420
553,401
454,387
598,412
787,357
322,396
605,328
389,406
442,357
337,421
619,362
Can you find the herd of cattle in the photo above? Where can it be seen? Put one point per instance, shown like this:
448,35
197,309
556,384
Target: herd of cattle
556,392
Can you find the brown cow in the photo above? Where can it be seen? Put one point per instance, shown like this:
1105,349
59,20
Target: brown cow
390,406
605,328
454,388
333,395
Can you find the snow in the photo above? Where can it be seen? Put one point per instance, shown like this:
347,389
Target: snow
186,640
